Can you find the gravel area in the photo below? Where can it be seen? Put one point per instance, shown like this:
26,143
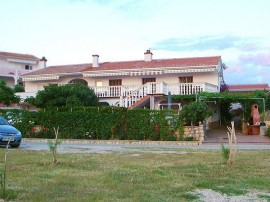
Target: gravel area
208,195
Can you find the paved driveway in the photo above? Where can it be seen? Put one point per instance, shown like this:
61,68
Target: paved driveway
105,148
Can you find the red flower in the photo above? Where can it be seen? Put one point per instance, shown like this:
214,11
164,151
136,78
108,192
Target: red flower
156,127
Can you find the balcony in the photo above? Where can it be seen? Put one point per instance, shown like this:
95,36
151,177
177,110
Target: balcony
127,90
12,72
153,88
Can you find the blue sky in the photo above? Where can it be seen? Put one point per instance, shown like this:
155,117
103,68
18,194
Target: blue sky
70,31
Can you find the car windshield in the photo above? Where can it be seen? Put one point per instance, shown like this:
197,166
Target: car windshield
3,121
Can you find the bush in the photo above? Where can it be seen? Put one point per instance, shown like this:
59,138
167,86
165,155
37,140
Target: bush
195,112
97,123
268,132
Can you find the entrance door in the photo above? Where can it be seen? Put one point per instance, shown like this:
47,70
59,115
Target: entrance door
115,87
152,87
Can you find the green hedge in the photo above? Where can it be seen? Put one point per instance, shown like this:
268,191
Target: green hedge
101,123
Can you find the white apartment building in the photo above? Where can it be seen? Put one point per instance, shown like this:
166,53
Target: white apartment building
13,65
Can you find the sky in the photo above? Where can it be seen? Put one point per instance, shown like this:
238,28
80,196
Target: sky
71,31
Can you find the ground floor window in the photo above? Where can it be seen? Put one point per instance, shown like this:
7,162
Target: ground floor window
146,80
115,82
186,79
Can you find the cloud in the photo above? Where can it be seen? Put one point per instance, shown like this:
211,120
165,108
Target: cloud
131,9
259,59
209,43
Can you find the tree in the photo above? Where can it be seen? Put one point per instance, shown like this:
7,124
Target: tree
195,112
7,94
66,95
18,88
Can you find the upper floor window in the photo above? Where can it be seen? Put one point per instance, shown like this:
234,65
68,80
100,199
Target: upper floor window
186,79
115,82
28,67
146,80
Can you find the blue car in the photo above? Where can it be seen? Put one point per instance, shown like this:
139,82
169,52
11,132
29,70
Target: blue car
8,132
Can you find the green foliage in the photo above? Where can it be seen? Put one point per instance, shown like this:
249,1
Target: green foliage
180,98
66,95
225,152
97,123
268,132
181,130
7,94
18,88
195,112
245,99
53,144
188,138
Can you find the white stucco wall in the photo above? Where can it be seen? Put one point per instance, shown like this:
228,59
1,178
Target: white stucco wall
6,64
211,77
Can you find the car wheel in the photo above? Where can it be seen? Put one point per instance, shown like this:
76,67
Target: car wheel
15,146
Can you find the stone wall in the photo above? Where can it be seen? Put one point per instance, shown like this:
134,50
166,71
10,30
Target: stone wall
197,133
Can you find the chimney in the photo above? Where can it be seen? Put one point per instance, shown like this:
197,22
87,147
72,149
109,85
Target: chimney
95,61
42,63
148,56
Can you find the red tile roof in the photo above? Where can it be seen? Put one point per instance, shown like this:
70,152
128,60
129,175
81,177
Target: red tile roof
176,62
61,69
18,56
248,87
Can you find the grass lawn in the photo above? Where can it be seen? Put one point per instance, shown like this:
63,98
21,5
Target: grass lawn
132,176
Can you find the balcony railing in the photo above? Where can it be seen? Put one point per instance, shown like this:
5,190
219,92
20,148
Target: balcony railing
12,72
191,88
127,90
154,88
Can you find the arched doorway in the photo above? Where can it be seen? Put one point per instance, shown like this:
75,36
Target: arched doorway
81,81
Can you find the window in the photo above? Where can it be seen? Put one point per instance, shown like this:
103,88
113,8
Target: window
28,67
115,82
186,79
146,80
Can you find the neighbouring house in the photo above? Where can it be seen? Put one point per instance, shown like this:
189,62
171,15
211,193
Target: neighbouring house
134,84
245,88
13,65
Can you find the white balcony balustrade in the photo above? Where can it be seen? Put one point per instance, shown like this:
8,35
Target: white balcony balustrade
151,88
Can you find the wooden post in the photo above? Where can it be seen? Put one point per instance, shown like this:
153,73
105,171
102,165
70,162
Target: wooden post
232,144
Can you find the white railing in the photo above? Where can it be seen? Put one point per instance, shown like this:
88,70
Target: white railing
12,72
190,88
149,88
129,90
211,88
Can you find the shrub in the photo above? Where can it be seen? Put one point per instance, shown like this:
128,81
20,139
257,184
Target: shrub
268,132
97,123
195,112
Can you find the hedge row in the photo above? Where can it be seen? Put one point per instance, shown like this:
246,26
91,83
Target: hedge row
101,123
